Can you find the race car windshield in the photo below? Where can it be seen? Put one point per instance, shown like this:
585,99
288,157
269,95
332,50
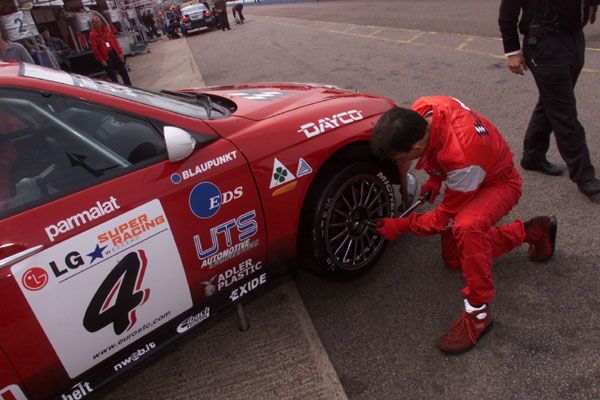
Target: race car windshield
168,103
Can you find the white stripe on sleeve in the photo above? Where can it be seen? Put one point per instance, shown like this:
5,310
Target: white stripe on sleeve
465,179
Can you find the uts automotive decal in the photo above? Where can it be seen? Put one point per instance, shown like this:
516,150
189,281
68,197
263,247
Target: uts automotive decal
100,209
206,166
236,232
231,277
12,392
325,124
106,287
206,199
280,174
260,95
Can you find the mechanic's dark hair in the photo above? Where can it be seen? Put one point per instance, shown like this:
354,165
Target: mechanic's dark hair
396,132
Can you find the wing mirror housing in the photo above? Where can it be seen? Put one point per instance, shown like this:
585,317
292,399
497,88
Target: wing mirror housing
180,144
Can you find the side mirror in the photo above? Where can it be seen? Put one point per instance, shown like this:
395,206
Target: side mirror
180,144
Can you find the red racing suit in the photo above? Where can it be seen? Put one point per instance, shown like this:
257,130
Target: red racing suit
482,185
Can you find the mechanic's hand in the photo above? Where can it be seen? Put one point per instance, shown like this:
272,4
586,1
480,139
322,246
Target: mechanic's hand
593,12
433,187
104,64
391,228
516,64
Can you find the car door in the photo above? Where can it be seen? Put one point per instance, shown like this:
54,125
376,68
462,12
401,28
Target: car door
114,242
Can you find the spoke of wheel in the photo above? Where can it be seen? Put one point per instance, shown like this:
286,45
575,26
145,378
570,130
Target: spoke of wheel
339,235
362,246
370,241
338,225
353,189
374,200
341,245
381,207
362,192
347,250
371,186
346,202
343,214
355,242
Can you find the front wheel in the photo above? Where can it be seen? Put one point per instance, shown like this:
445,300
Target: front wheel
340,240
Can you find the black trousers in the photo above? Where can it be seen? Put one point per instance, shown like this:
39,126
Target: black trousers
114,65
224,20
556,62
239,13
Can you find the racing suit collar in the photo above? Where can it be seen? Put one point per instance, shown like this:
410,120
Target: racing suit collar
434,144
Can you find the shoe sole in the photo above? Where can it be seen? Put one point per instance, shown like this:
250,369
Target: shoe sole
486,330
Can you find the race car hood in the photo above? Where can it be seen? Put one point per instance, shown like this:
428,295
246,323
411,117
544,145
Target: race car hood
265,100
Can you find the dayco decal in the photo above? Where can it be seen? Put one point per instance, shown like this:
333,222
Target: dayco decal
204,167
325,124
206,199
194,320
246,227
135,356
82,218
231,276
247,287
131,229
78,392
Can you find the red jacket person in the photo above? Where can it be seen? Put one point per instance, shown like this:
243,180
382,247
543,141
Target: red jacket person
107,51
456,145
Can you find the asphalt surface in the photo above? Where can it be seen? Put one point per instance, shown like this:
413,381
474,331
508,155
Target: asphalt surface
379,331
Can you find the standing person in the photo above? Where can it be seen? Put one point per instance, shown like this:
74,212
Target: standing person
10,51
107,51
237,8
59,48
221,7
553,49
457,145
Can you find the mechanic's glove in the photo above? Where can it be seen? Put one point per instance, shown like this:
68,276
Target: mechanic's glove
432,186
391,228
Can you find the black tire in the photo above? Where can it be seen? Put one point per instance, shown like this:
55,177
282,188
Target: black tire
336,235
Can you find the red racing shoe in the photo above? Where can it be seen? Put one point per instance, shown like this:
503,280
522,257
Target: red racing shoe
466,330
540,234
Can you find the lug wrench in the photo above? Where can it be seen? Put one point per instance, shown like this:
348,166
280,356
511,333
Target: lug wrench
409,210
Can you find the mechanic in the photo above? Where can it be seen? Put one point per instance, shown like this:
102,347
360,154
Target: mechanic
10,51
107,51
457,145
553,49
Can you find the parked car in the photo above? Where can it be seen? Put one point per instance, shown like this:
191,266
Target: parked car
195,17
129,218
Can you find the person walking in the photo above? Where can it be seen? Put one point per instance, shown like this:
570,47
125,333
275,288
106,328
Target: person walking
107,51
458,146
553,49
11,51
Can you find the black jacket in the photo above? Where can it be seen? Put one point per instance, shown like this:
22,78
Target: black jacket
568,16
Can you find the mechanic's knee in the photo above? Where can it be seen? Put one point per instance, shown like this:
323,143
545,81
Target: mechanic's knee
469,224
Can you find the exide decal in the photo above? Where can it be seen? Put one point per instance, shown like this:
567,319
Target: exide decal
325,124
206,199
245,225
248,287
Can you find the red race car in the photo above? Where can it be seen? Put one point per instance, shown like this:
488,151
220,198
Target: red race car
128,218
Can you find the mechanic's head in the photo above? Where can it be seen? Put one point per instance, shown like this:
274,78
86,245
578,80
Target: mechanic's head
46,33
400,135
97,22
